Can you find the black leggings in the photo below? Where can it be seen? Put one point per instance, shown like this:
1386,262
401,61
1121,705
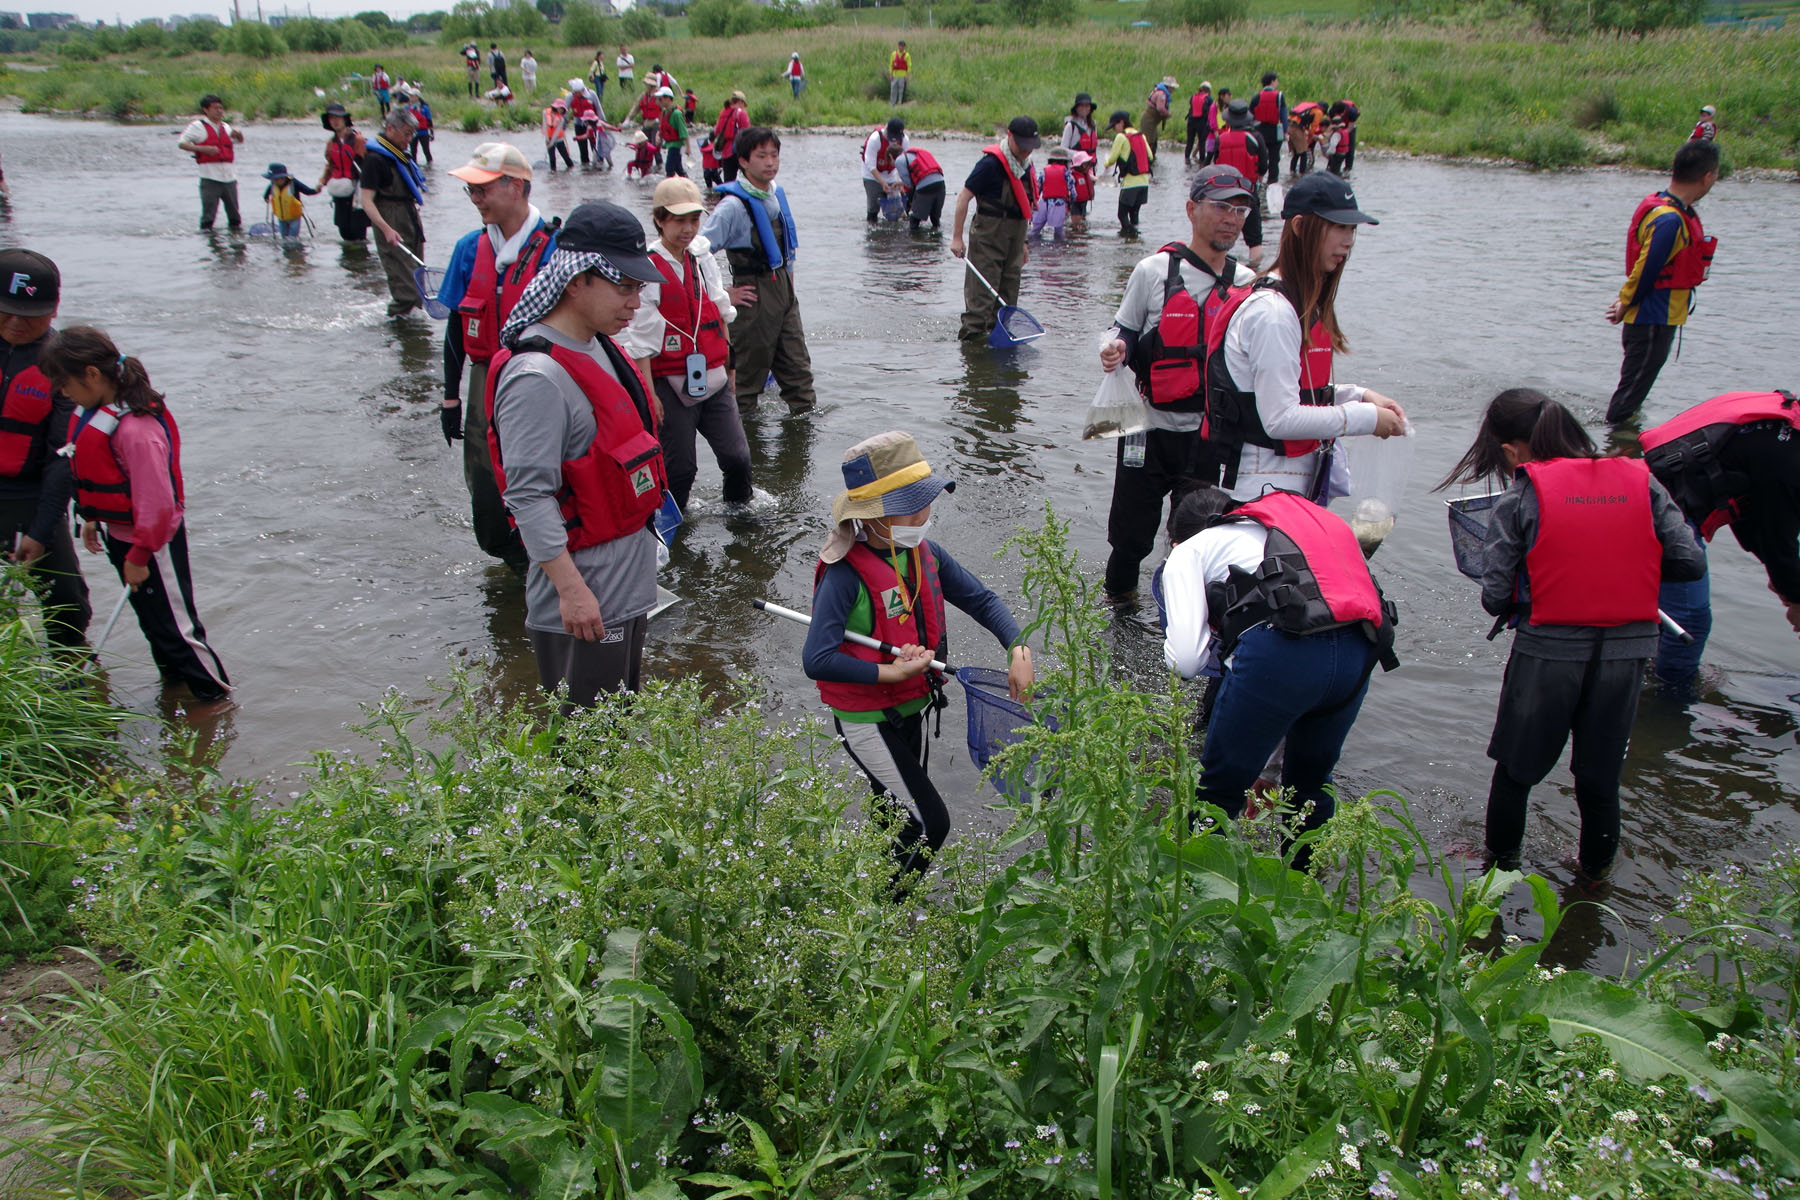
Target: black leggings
562,148
1131,199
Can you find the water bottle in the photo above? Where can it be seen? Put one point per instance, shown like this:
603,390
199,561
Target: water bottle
1133,452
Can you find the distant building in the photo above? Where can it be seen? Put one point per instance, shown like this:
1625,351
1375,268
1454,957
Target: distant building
51,20
12,20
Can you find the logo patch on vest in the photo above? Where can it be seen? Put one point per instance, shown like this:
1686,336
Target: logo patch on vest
642,480
895,604
672,342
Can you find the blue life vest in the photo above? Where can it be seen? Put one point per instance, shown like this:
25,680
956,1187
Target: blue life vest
780,255
409,174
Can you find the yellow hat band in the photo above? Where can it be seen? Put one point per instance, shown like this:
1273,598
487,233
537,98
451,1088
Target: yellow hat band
911,473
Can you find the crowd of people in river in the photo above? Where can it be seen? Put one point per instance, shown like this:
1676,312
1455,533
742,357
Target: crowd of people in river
595,360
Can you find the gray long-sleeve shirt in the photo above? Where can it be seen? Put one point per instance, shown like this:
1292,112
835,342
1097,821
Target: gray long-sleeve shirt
1512,531
543,420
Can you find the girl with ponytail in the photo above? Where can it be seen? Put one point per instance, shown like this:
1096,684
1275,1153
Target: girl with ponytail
127,454
1576,549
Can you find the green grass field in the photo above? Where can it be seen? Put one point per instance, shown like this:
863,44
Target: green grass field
1487,91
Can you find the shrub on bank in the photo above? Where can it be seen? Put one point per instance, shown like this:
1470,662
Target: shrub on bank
652,951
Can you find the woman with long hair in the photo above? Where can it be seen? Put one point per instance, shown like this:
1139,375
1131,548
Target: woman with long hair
1273,407
128,486
1576,549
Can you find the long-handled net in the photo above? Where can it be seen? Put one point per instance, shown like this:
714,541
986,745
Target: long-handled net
1013,326
428,280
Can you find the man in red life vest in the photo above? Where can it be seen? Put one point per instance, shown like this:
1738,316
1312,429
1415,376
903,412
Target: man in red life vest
488,271
214,144
573,438
1269,107
1160,333
1003,187
1667,256
35,481
734,118
1707,127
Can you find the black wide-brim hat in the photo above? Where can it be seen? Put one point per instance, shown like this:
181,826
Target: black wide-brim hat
334,109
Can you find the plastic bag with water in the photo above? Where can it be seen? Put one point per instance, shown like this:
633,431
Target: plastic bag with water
1118,410
1380,469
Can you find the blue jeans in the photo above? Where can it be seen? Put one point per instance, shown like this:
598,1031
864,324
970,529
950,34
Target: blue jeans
288,229
1305,689
1690,606
799,85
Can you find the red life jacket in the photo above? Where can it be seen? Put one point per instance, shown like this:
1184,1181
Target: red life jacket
616,485
1686,268
379,81
581,104
102,491
732,121
1088,139
1055,184
421,116
665,127
1234,151
1704,130
900,63
1312,578
1683,453
1170,364
685,330
1081,184
923,165
1232,421
491,294
648,109
25,410
1267,108
885,154
1023,190
795,70
1139,162
895,623
1197,104
219,138
340,159
1597,559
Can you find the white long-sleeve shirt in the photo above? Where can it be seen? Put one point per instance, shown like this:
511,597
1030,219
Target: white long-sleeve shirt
1203,559
872,146
1262,353
643,338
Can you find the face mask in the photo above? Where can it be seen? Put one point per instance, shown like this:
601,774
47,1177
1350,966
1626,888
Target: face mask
908,537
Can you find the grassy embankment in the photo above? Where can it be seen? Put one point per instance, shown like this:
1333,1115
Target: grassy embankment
1485,92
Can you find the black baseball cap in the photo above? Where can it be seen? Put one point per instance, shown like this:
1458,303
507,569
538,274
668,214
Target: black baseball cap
30,284
1323,194
611,231
1025,132
896,129
1220,182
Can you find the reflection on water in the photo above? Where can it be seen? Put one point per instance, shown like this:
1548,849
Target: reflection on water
330,527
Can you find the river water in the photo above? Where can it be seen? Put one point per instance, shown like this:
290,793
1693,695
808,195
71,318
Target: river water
329,524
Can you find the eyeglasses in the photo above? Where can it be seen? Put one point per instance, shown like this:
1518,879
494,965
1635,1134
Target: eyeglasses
1236,210
479,191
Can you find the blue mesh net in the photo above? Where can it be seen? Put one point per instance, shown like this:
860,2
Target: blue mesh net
1468,529
1014,327
995,718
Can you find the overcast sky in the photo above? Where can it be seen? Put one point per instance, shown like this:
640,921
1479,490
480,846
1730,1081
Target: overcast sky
136,10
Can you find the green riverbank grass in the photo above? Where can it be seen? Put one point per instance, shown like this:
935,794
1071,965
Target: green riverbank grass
1485,91
650,953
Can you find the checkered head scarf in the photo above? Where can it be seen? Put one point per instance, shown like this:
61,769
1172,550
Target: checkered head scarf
545,290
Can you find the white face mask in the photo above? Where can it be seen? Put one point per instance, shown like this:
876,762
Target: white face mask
908,536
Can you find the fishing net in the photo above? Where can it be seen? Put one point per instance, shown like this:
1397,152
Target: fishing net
428,280
1468,530
1014,327
996,720
893,207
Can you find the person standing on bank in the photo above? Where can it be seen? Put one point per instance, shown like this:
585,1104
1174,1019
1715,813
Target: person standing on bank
679,341
880,174
795,74
755,229
1159,332
528,71
1004,189
497,65
625,68
1707,127
899,69
214,144
1732,460
1135,159
1667,256
1576,549
573,439
1271,113
392,191
127,467
1294,672
343,168
879,575
35,480
489,270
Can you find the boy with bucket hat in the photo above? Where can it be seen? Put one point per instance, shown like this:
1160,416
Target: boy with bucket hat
573,438
880,576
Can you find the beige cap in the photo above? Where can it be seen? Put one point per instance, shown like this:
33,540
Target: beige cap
740,96
491,160
677,196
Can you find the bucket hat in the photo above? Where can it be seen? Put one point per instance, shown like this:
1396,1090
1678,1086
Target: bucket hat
276,171
1082,98
334,109
884,476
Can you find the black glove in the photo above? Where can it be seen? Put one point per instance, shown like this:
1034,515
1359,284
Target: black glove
450,417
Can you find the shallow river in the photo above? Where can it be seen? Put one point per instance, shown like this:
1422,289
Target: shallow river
329,524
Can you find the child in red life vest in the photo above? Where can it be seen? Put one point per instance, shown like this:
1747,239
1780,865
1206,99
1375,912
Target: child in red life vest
643,156
878,575
1576,549
127,454
1055,187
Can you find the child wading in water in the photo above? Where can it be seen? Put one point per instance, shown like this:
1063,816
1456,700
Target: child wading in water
1576,549
879,576
127,454
283,198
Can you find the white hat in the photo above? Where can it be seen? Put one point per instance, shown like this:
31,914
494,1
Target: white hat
795,54
1709,110
576,85
663,91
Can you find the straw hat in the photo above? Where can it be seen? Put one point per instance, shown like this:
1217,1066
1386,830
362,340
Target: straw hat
884,476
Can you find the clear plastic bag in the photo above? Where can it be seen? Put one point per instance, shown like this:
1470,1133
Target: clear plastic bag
1118,410
1380,469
